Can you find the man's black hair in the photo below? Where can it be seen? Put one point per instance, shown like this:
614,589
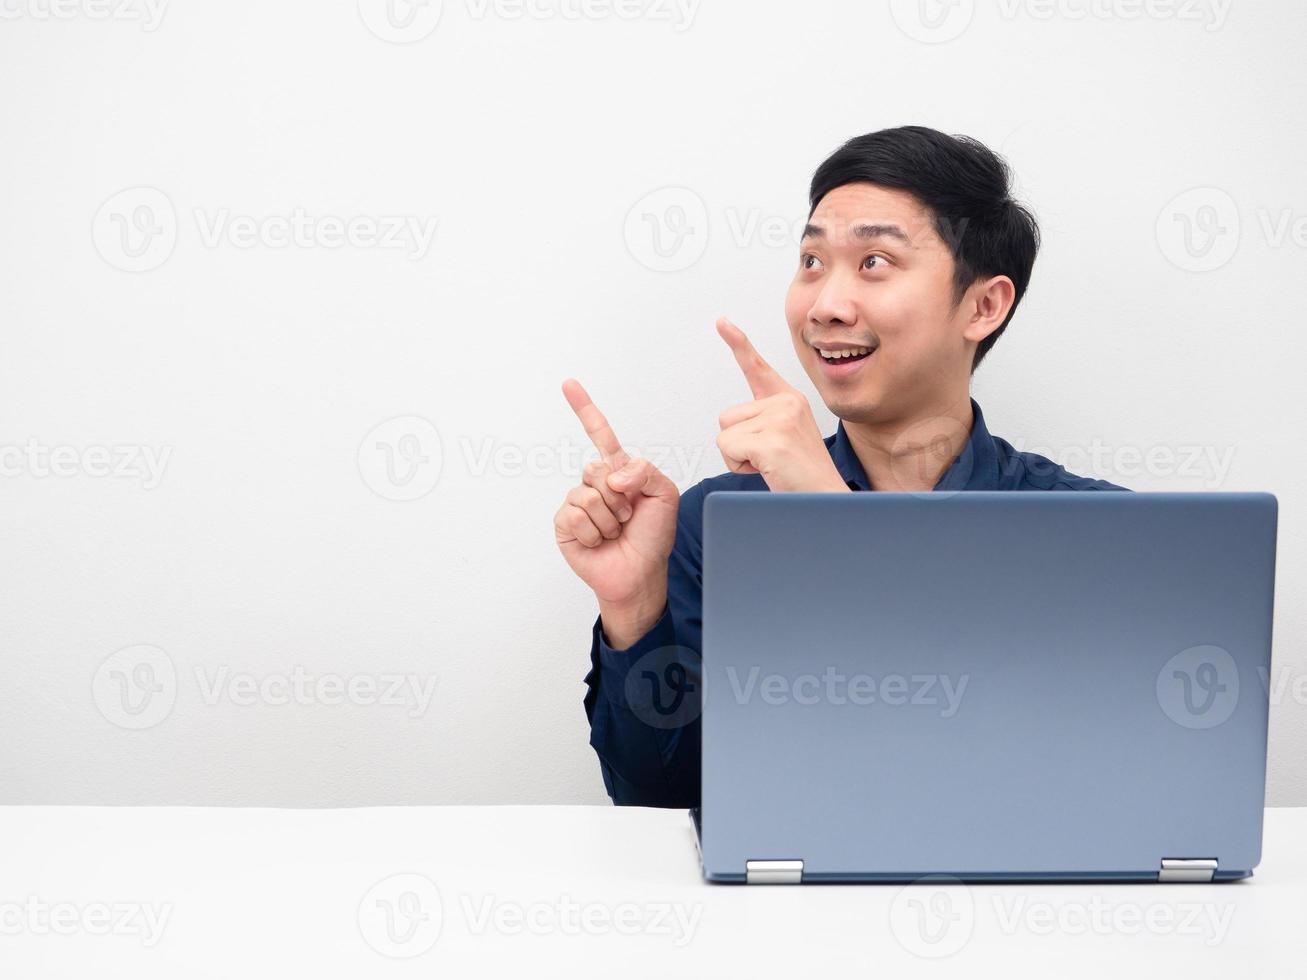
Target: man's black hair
965,187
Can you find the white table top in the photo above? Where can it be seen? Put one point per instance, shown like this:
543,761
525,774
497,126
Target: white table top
568,892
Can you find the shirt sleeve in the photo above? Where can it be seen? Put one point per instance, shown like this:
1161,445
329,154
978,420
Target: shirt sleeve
644,702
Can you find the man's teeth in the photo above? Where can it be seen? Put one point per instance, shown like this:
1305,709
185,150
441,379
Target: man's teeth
835,355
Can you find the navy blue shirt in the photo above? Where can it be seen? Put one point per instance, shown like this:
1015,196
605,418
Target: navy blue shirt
643,702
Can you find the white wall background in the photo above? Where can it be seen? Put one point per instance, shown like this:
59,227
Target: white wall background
260,370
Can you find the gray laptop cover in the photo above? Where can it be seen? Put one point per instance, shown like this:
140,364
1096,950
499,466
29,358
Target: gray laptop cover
985,685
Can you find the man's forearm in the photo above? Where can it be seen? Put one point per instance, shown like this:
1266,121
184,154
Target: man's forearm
644,763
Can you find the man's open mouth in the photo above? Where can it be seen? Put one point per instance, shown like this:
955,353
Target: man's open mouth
844,355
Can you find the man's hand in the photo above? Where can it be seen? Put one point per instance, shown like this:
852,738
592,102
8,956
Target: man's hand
617,527
775,434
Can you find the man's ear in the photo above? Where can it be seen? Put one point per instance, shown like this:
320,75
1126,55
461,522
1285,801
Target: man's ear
988,302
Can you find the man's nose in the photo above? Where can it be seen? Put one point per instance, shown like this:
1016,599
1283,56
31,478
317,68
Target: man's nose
834,305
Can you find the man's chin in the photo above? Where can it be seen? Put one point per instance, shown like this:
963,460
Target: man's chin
850,408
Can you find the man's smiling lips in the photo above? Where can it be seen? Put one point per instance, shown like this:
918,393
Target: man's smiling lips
839,359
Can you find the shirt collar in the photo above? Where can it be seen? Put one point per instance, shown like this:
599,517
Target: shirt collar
975,468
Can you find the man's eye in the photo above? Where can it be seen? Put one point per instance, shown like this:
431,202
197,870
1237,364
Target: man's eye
873,262
810,261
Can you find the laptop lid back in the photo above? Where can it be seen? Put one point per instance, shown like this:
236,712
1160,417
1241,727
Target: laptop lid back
985,684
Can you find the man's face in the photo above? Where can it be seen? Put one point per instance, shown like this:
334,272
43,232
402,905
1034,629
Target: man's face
874,274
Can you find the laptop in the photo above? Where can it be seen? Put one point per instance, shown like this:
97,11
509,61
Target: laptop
984,685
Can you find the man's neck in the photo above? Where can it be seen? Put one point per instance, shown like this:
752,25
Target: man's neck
912,453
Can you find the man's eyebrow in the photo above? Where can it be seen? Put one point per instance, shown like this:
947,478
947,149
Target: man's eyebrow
881,231
861,231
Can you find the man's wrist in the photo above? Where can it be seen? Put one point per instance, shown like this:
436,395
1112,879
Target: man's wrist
624,623
831,482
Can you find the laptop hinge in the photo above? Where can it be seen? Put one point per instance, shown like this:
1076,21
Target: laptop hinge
1187,869
773,872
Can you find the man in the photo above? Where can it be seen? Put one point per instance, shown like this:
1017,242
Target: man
912,263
